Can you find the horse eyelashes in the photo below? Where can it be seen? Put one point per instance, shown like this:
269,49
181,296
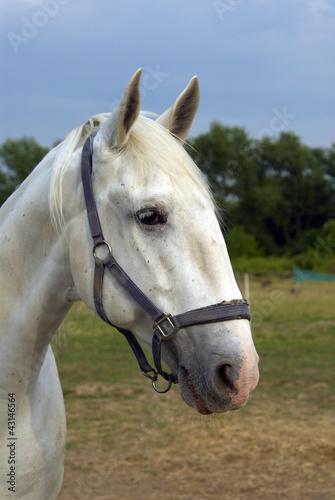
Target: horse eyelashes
151,217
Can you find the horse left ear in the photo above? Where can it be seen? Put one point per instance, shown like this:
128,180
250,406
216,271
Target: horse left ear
178,119
116,130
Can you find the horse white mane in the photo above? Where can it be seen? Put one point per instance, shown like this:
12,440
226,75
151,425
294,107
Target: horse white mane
63,155
150,149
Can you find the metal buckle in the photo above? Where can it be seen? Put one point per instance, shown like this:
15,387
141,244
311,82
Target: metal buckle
153,377
166,335
99,244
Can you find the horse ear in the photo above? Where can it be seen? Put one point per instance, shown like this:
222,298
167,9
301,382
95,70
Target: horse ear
178,119
115,131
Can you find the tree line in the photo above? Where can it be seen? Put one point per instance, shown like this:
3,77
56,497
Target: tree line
277,194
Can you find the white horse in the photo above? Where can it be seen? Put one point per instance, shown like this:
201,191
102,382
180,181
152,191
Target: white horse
158,216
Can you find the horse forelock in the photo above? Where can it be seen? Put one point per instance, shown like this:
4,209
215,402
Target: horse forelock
151,149
65,154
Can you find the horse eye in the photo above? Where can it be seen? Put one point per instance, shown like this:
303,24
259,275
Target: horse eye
151,217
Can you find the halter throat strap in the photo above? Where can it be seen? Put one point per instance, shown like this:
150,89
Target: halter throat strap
165,326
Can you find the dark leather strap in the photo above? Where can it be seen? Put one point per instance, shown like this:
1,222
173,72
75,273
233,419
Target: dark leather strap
226,310
96,232
169,326
86,172
132,340
133,289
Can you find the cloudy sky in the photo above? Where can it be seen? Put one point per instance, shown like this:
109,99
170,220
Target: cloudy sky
265,65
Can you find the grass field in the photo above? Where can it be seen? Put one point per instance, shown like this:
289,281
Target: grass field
127,442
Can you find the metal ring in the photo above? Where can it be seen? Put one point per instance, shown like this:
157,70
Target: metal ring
100,243
165,390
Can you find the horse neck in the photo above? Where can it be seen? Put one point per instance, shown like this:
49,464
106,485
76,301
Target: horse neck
35,271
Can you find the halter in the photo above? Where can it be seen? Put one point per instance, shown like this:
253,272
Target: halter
165,326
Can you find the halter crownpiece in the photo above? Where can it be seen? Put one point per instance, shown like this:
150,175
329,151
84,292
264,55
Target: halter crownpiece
165,326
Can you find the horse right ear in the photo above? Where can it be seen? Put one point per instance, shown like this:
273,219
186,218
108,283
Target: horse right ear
115,132
178,119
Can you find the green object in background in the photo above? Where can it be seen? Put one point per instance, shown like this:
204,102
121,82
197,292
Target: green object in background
300,275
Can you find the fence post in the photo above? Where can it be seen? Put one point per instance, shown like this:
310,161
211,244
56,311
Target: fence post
247,287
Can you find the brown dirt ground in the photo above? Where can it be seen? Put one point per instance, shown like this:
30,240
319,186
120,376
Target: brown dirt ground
169,452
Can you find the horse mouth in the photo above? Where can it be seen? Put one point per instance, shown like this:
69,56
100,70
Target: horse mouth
190,395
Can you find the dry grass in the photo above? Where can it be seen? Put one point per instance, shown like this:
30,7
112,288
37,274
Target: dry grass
127,442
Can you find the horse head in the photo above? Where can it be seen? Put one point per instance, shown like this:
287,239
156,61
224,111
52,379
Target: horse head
159,219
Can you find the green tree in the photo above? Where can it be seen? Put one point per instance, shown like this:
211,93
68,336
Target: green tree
240,243
277,189
299,194
18,158
223,154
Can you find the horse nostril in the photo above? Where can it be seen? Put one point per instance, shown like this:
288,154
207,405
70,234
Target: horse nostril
228,376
